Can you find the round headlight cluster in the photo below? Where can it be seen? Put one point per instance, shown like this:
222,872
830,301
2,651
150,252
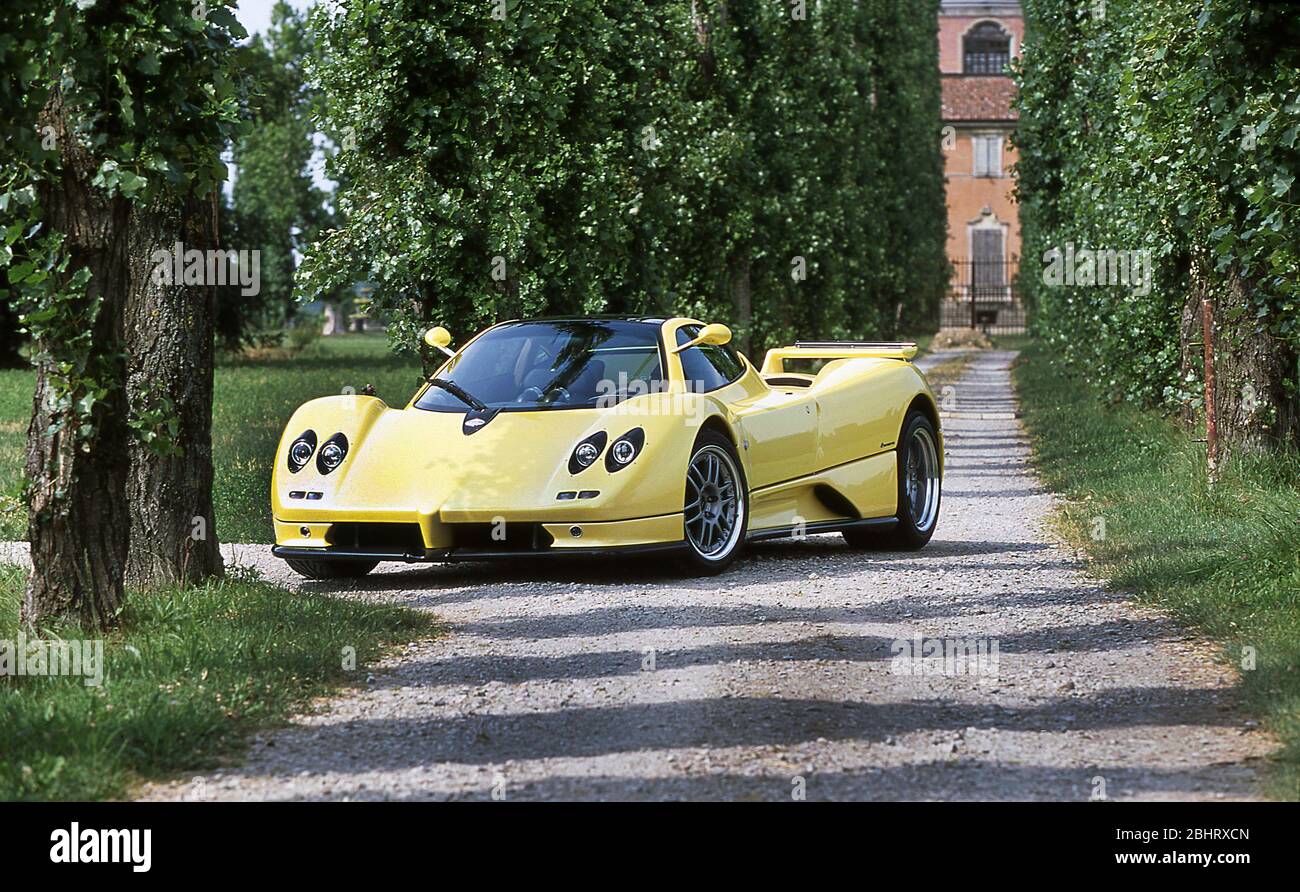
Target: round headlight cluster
301,450
625,449
623,452
332,453
586,452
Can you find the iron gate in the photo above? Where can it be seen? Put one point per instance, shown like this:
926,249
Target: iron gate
984,294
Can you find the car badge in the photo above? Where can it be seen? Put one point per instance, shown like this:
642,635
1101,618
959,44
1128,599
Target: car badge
476,420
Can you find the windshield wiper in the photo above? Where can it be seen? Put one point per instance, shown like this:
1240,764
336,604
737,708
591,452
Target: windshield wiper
459,393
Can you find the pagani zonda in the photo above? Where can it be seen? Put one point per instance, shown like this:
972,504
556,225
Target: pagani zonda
584,435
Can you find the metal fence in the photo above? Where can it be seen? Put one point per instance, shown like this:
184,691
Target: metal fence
984,294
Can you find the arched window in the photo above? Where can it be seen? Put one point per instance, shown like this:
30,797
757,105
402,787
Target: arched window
986,49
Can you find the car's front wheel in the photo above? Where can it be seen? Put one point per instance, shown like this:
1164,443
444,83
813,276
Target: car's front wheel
717,504
316,568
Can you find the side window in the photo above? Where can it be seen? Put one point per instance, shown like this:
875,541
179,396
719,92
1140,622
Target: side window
708,366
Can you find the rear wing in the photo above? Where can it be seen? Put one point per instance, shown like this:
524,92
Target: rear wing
774,362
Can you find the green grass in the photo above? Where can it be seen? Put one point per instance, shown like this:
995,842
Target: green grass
1223,559
1011,341
16,387
190,673
253,400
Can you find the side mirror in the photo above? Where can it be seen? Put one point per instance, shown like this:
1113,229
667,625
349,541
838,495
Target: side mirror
715,334
438,338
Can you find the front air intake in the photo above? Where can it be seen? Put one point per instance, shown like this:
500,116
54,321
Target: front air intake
379,537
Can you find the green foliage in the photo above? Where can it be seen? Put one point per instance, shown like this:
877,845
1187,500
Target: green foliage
619,156
61,323
139,91
276,208
1223,559
144,84
1172,126
190,674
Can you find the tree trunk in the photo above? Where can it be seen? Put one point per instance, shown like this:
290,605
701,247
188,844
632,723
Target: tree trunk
743,297
169,328
77,465
1254,411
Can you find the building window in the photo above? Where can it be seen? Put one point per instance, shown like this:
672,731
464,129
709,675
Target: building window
988,155
986,49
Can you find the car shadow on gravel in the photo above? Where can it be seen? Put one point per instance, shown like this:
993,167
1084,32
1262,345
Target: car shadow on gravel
766,563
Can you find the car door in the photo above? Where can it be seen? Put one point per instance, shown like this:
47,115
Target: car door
779,425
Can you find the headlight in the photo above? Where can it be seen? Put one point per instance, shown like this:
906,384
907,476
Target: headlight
625,449
332,453
301,450
586,452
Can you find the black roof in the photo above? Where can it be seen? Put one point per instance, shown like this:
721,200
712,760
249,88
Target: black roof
599,317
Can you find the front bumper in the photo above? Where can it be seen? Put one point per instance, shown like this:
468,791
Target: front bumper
469,554
414,542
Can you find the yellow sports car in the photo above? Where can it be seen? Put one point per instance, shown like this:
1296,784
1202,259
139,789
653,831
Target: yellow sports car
574,436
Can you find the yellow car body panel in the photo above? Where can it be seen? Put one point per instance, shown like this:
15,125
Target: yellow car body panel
814,448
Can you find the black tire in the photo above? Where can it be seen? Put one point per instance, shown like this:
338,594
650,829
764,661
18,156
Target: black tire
317,568
703,554
918,508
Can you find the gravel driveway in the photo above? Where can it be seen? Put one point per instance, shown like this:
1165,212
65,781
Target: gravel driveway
778,679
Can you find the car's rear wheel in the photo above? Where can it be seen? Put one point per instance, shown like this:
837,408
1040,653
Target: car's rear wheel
316,568
716,505
920,485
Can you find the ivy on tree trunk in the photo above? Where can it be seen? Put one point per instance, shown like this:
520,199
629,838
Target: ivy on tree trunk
78,439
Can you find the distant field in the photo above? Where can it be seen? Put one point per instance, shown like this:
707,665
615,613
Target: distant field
253,401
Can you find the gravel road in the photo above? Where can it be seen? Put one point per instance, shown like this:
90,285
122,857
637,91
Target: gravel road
619,681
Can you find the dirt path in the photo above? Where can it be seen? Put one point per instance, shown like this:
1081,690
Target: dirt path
619,681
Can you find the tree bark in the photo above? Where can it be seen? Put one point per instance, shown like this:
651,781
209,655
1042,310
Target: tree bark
1255,413
742,294
169,336
77,466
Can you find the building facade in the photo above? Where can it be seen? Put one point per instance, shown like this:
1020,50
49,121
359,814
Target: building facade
977,41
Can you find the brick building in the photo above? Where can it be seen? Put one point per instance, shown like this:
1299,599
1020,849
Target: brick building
977,40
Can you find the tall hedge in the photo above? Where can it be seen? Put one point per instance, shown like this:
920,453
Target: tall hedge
769,164
1170,127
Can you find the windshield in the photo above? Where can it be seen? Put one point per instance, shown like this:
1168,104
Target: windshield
568,364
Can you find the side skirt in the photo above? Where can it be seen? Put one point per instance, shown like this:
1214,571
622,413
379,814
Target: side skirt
826,526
